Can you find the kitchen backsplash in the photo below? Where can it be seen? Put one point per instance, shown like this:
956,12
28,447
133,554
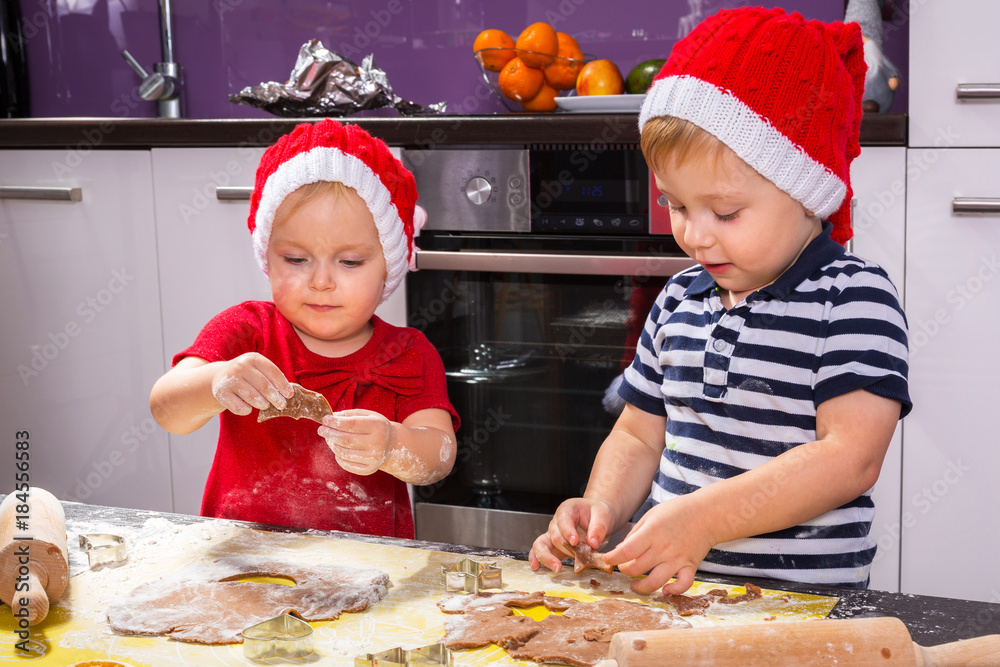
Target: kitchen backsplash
425,46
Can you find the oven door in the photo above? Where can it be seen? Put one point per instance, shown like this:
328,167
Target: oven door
534,331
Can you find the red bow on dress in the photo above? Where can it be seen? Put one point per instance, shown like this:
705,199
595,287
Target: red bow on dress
400,374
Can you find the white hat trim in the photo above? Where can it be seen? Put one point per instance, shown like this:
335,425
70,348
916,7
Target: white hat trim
753,138
325,163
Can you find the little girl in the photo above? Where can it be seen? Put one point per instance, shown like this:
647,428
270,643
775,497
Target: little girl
332,218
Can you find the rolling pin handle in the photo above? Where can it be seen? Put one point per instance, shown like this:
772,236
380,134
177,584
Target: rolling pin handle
976,652
37,606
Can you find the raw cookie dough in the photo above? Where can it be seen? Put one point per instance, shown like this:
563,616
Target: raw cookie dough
586,558
303,403
695,605
581,636
205,602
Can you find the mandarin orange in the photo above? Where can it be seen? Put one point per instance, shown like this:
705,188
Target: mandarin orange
564,70
544,99
539,38
500,45
519,82
568,46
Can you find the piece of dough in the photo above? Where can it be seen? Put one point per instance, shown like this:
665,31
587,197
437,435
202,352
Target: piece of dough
303,404
586,558
695,605
581,636
205,602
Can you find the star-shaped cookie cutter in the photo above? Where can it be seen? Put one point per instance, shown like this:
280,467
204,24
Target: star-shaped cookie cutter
471,576
284,636
103,548
434,655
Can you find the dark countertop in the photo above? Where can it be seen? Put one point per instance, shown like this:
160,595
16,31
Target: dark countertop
930,620
424,132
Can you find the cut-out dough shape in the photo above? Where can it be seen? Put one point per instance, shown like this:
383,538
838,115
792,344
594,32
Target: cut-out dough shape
303,404
581,636
206,603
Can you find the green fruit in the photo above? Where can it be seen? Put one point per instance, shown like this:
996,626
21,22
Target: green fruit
640,78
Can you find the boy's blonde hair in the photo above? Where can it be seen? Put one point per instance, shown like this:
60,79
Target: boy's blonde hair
667,139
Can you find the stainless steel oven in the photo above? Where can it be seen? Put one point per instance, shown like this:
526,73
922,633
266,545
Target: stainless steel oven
536,270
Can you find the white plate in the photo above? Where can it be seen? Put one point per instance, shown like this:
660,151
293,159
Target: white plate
600,103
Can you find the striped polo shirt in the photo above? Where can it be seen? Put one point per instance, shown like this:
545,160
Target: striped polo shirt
741,386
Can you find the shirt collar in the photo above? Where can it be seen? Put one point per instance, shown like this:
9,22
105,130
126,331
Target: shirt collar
821,251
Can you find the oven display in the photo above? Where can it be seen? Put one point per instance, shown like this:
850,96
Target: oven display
581,191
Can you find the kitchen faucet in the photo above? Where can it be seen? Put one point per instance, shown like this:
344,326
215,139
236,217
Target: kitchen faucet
164,84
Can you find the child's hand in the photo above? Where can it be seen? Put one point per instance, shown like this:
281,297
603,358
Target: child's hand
667,542
250,381
360,439
595,517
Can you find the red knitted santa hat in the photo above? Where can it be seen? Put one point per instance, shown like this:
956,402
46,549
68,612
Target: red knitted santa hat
782,92
330,151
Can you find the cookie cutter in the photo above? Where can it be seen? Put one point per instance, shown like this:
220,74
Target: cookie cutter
284,636
427,656
103,548
471,576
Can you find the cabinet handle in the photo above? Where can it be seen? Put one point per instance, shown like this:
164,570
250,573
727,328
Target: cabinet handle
515,262
978,91
40,194
975,206
233,193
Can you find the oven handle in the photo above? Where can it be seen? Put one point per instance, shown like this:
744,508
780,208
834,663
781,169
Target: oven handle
515,262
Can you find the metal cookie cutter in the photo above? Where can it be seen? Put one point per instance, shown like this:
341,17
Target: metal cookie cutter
471,576
283,636
428,656
103,548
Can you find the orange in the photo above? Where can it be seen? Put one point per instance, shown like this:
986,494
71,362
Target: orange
568,47
542,40
544,100
494,60
564,70
600,77
520,82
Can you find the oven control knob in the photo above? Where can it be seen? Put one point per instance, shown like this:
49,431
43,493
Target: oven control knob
478,190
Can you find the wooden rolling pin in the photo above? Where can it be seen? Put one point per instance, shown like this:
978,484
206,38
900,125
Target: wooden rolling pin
861,641
33,572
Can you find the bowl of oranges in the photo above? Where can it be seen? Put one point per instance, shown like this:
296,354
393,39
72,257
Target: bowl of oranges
531,72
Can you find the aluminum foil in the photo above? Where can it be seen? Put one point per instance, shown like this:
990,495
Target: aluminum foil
325,83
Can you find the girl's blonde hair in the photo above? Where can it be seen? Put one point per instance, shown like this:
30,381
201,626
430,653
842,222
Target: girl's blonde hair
308,192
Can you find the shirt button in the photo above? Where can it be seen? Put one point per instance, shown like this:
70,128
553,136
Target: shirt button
719,345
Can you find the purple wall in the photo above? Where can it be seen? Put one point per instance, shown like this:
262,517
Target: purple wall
425,46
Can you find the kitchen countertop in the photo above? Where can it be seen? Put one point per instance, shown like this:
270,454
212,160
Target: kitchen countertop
421,132
930,620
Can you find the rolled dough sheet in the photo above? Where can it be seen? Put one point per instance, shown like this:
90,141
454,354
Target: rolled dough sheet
207,603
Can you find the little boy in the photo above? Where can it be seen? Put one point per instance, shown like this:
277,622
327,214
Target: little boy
332,218
768,381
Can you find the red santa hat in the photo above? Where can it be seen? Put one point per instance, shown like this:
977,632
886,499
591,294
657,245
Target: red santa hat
331,151
782,92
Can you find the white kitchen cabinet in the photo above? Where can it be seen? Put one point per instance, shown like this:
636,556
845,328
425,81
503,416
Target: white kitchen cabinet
878,177
80,331
950,492
953,43
207,265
